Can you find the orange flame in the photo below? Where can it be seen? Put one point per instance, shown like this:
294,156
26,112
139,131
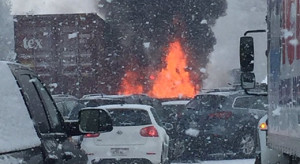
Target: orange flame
174,80
130,84
171,82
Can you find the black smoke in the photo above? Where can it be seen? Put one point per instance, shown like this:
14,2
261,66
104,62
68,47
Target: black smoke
157,23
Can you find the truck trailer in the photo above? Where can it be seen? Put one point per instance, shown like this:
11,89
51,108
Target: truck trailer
72,53
279,133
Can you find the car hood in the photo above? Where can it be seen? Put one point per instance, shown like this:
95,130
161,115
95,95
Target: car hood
16,127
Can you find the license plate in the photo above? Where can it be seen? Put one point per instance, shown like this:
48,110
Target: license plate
119,151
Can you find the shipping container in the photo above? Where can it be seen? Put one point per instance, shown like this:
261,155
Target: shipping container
72,53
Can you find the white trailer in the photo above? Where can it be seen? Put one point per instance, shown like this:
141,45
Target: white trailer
280,142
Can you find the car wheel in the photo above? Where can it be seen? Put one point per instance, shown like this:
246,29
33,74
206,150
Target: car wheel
246,145
176,149
162,160
166,162
258,159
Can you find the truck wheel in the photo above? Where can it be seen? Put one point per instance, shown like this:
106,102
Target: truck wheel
245,145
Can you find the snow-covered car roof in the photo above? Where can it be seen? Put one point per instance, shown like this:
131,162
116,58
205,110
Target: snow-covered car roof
60,98
100,96
122,106
225,93
175,102
16,127
104,96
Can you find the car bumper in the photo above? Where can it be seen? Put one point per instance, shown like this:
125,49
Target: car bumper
208,146
147,152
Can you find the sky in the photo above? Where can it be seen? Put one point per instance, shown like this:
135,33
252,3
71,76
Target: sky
52,7
241,15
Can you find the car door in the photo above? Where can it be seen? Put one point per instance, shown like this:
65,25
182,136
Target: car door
48,122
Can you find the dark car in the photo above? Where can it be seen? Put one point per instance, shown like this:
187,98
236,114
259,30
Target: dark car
68,105
221,124
172,111
32,130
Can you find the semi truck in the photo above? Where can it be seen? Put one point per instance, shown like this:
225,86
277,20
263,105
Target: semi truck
279,130
72,53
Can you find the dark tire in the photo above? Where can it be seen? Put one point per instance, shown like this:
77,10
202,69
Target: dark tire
246,145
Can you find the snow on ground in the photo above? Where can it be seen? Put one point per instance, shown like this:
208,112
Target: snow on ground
238,161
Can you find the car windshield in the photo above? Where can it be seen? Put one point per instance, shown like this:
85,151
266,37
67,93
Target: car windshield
129,117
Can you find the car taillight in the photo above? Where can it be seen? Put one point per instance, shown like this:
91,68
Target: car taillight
220,115
91,135
149,131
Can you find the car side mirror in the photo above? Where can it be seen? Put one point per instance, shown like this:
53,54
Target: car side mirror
246,54
248,80
94,120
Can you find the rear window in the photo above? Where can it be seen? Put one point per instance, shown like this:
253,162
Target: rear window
206,102
173,110
251,102
129,117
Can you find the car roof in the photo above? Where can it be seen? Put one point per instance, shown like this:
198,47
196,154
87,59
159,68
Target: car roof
63,97
123,106
101,96
223,93
104,96
14,116
175,102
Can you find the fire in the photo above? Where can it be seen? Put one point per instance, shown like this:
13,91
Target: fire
174,80
171,82
130,84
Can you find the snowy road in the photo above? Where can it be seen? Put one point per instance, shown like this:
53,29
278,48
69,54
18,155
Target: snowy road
238,161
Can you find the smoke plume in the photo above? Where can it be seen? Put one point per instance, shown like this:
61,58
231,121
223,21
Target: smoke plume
21,7
147,28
